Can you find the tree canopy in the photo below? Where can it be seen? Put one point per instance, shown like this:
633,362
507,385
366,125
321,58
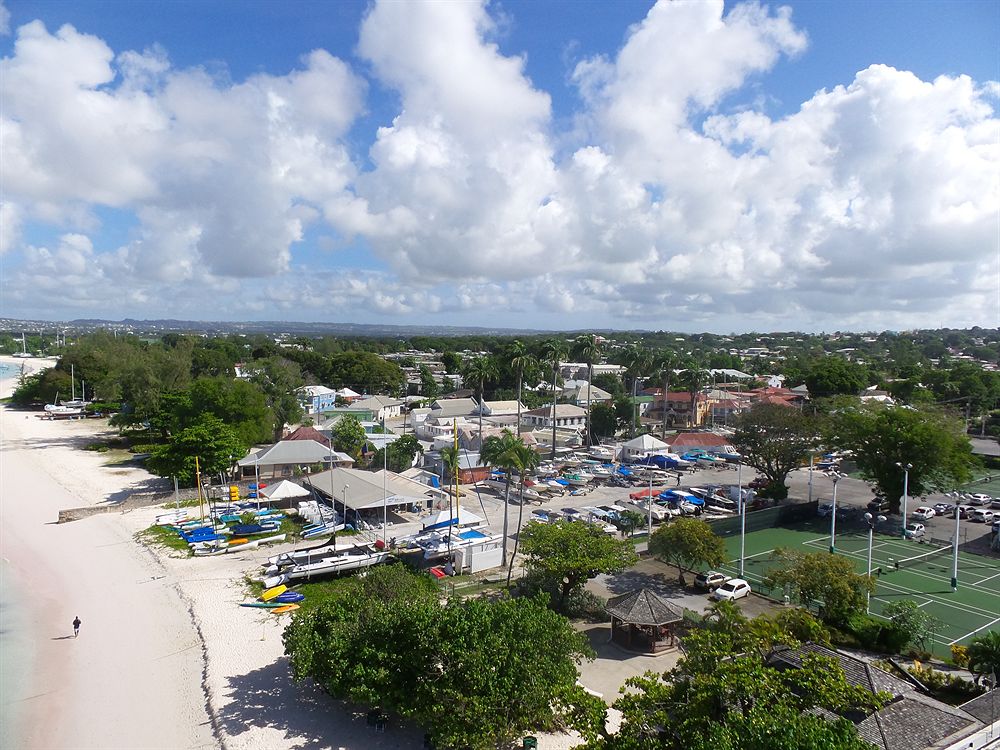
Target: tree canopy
882,438
472,673
724,694
774,439
687,543
215,444
566,554
349,436
820,576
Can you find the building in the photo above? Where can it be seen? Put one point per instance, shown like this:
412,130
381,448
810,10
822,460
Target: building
912,720
566,415
678,408
577,392
381,407
451,408
288,458
705,441
316,398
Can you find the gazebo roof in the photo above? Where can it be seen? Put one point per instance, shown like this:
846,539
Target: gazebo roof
643,607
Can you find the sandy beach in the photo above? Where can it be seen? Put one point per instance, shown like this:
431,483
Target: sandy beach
165,657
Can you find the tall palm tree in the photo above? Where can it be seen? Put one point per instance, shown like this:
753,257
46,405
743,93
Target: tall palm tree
666,362
520,360
527,459
478,372
449,457
694,377
501,451
552,352
637,361
587,348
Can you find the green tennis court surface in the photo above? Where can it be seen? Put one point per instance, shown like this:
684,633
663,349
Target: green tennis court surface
973,608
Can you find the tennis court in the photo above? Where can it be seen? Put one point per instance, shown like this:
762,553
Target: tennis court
964,613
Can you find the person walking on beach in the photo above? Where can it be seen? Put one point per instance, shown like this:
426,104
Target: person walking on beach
76,626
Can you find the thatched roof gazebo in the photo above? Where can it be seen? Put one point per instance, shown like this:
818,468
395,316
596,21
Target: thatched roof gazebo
643,621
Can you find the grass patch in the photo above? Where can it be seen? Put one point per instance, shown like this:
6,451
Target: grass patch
120,457
163,537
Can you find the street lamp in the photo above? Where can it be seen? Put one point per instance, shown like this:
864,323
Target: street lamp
954,543
906,489
836,476
872,521
743,514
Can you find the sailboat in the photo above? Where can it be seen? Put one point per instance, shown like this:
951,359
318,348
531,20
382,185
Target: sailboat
24,353
74,402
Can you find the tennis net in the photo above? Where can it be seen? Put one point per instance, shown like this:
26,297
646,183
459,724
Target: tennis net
909,562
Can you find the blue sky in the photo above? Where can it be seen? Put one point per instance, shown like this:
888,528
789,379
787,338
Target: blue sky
535,164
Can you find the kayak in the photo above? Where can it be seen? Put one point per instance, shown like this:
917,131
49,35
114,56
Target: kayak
262,605
285,608
274,592
289,597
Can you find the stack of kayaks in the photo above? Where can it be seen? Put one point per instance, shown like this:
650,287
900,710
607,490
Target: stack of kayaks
278,599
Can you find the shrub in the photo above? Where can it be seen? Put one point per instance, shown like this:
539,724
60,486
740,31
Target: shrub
97,447
960,655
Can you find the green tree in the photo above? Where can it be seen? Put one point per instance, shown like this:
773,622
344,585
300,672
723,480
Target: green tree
820,576
520,360
694,378
452,362
914,626
428,385
277,380
775,439
723,694
349,436
637,361
835,376
629,521
478,372
885,438
589,350
214,443
504,452
665,362
398,455
687,543
472,672
566,554
984,654
604,420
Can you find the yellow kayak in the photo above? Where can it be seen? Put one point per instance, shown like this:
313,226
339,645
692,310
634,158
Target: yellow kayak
273,592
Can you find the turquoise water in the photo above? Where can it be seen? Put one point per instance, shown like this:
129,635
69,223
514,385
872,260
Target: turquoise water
15,660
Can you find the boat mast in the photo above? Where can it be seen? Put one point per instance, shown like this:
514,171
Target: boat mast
197,479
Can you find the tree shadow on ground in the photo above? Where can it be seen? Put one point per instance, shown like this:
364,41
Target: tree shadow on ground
267,698
151,485
664,584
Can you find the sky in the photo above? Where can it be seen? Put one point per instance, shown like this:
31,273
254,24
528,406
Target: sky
686,165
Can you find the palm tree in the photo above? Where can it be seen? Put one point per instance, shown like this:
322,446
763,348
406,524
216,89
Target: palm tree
520,360
589,350
502,451
553,351
637,361
665,362
984,654
478,372
449,457
527,459
694,378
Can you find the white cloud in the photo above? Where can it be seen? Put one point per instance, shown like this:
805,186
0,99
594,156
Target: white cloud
874,204
4,20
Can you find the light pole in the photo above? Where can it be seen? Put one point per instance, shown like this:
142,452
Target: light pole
649,511
836,476
906,489
743,514
954,548
873,521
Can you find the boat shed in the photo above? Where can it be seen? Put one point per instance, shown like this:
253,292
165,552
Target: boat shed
360,490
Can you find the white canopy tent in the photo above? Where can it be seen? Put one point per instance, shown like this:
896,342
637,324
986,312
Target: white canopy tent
284,490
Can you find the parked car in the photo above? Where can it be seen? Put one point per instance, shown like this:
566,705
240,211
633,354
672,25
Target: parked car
996,503
924,513
982,515
914,531
710,580
964,511
944,509
734,588
980,499
824,510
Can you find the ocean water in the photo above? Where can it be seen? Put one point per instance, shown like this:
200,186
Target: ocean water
15,660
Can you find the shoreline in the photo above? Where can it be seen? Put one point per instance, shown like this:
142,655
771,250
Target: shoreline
128,680
165,658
